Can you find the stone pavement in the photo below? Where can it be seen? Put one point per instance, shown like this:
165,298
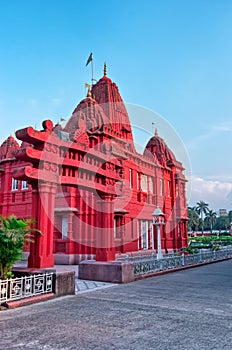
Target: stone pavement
189,309
81,285
88,286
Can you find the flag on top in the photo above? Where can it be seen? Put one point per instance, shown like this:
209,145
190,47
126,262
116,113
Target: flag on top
89,59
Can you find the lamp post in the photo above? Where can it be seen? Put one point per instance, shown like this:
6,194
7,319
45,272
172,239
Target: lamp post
158,220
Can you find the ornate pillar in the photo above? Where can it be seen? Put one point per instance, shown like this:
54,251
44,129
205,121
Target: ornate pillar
105,247
41,250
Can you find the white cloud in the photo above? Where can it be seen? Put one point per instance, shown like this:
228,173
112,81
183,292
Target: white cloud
211,131
223,127
217,193
56,101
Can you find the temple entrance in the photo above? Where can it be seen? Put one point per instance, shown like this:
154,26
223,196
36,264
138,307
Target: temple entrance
63,163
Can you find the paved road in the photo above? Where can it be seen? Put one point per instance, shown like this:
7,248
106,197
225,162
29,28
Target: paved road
190,309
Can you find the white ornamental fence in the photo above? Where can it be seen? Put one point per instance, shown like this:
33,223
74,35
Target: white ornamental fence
148,264
26,286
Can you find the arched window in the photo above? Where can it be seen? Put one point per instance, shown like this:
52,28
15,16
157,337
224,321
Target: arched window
24,185
15,184
151,189
161,187
144,183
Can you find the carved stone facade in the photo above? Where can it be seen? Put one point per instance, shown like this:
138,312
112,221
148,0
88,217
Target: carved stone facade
89,190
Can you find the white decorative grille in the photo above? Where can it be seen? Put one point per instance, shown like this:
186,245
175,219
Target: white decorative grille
3,290
24,287
149,263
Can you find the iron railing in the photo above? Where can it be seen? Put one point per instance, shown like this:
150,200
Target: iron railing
147,264
26,286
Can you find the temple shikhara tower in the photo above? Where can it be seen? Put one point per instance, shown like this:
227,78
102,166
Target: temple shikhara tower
88,189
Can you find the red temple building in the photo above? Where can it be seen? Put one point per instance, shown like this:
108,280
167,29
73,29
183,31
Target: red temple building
91,193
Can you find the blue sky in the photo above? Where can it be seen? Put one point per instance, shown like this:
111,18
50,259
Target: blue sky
172,57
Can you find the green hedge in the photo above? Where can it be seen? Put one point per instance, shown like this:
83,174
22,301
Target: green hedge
204,240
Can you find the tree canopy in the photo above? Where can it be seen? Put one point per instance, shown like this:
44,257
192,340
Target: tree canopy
201,216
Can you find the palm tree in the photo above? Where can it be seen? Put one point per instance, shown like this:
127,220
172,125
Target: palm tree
193,219
202,209
211,217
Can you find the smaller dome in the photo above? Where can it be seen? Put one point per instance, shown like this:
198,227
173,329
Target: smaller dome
8,148
57,127
89,115
158,147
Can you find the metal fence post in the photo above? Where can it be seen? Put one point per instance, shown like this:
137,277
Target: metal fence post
200,254
182,259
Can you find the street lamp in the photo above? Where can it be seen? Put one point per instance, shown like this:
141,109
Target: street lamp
158,220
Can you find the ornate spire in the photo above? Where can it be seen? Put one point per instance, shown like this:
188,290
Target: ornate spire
156,132
105,70
89,93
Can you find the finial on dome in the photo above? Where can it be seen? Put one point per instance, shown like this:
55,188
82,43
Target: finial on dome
105,70
156,132
89,94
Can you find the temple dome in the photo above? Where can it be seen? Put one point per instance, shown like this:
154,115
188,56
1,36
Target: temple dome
162,153
8,148
106,93
87,115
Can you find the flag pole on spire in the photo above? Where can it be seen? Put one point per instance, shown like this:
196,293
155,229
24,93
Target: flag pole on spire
90,59
153,125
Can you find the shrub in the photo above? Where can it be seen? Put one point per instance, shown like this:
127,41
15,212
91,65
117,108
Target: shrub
190,250
13,234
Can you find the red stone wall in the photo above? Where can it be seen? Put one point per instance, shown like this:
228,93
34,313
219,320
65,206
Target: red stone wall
77,205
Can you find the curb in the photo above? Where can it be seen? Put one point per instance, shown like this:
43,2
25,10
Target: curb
29,300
